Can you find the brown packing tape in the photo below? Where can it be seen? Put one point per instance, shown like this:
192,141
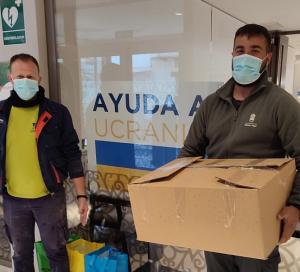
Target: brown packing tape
261,163
255,162
227,163
206,163
212,162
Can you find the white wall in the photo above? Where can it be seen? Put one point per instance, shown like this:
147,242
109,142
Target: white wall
297,77
34,17
290,63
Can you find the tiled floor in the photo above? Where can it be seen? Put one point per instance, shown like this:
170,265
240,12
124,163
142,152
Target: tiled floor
188,260
5,269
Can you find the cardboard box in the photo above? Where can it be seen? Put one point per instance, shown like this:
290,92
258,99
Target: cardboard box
227,206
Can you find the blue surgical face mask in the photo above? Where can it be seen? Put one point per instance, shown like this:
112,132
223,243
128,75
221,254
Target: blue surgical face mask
26,88
246,69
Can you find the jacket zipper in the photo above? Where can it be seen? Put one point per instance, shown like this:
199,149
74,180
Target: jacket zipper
3,153
234,126
55,173
42,121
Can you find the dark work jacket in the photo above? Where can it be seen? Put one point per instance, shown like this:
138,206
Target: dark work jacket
57,144
266,125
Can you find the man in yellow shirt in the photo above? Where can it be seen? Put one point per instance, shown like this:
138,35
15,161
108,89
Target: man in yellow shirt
38,151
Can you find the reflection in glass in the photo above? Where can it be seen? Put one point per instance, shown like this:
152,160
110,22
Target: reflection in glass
155,66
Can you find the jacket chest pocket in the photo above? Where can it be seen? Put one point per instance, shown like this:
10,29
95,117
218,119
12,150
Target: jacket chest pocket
50,136
256,129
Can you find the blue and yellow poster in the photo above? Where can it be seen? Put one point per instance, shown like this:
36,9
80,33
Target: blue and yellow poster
136,128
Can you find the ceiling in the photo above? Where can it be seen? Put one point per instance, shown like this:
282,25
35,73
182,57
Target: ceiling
274,14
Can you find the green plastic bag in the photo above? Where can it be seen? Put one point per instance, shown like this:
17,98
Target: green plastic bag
42,259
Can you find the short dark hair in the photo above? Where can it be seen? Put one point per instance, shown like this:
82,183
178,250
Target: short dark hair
23,57
251,30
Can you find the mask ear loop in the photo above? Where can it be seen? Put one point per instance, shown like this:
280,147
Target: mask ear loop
263,67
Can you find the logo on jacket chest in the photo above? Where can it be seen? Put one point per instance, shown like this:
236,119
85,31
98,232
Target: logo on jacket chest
251,122
33,127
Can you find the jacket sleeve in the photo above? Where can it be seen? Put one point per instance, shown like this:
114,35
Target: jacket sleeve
196,141
288,125
70,147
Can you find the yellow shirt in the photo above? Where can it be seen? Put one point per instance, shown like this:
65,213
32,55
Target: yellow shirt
23,173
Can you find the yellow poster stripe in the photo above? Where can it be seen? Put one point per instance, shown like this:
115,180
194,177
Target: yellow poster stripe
117,178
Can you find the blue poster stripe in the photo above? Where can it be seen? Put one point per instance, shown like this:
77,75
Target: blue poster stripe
137,156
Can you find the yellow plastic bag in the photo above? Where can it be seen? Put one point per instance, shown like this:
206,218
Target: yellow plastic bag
76,252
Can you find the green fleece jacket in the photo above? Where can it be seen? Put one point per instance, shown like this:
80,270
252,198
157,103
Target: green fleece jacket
266,125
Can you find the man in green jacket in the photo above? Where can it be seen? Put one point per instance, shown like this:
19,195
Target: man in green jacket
249,117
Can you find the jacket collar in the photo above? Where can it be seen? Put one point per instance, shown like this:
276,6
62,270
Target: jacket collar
5,106
16,101
225,92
